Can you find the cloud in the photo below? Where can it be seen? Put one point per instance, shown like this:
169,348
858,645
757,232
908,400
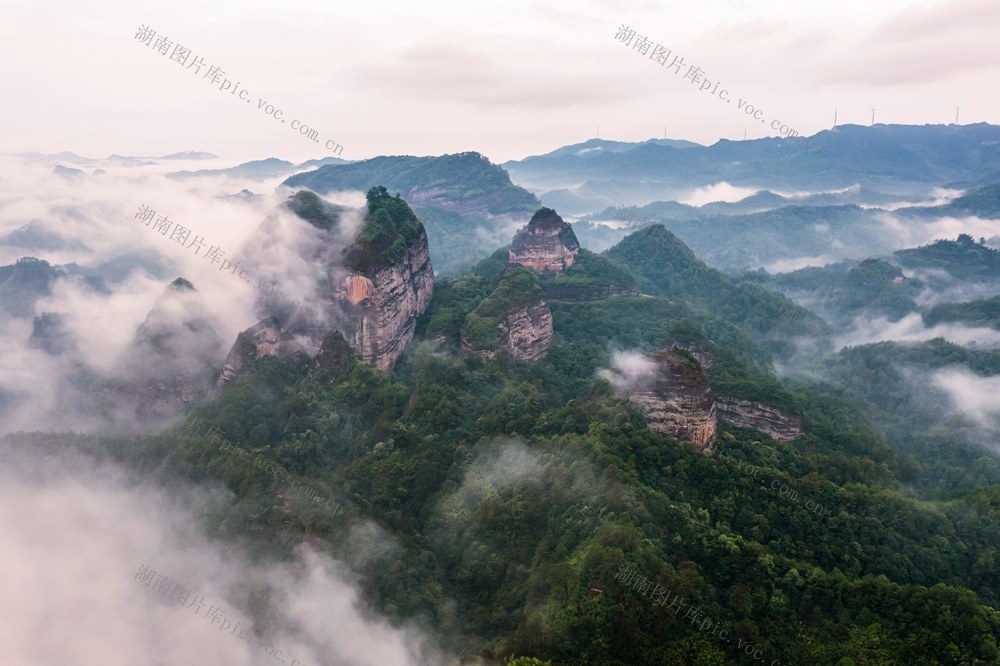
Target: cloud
630,371
721,191
972,395
85,530
120,268
470,75
944,19
911,232
911,328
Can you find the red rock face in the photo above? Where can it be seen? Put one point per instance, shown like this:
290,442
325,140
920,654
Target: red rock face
265,338
546,243
677,401
385,305
357,288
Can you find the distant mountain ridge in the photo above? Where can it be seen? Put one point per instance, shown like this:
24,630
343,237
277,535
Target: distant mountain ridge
463,182
890,157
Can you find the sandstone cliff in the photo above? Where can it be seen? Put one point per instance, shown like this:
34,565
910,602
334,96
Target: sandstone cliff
756,415
546,243
526,333
382,304
514,318
677,400
377,283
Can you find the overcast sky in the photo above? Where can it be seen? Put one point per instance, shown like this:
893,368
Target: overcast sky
507,78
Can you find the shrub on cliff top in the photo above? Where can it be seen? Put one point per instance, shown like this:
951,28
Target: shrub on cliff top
389,228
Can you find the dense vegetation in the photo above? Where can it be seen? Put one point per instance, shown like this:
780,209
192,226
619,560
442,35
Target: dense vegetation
389,228
873,287
516,288
983,312
512,495
589,274
895,383
666,267
963,258
314,210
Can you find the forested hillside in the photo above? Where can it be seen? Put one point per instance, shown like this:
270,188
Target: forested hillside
534,513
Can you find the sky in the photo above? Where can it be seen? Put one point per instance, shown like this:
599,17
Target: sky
506,78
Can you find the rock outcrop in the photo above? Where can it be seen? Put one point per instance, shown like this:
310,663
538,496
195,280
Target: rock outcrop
266,338
526,333
373,300
546,243
382,306
676,399
699,349
515,318
758,416
673,393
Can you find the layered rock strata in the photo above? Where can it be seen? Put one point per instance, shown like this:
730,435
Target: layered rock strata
758,416
526,333
382,306
676,399
546,243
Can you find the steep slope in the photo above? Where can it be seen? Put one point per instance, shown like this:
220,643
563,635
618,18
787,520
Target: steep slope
265,338
676,399
666,267
391,280
372,293
514,317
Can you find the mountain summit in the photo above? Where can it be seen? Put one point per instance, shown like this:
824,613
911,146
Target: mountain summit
546,243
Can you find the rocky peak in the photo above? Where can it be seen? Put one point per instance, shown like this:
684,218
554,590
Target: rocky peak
171,359
673,392
545,243
526,333
390,283
377,284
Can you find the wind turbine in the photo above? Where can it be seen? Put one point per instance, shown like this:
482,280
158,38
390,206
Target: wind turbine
873,116
834,119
